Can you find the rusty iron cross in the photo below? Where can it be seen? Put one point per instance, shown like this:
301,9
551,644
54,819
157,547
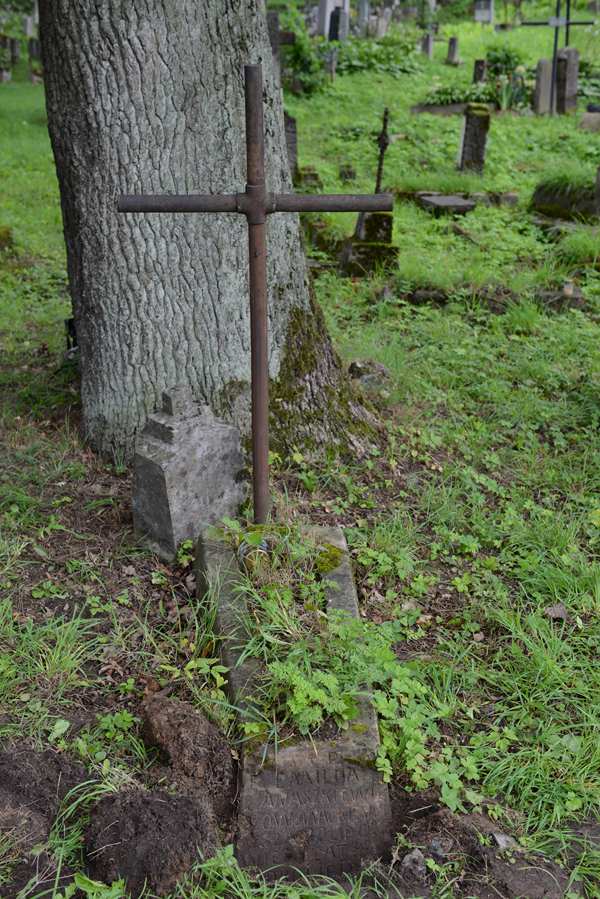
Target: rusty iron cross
383,142
256,203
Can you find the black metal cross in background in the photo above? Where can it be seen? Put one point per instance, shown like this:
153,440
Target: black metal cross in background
557,22
256,203
383,141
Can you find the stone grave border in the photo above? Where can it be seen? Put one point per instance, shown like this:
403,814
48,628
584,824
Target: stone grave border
350,753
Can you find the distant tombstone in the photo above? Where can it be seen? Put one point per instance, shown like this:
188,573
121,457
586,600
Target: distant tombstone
364,9
452,58
471,156
567,80
15,50
484,11
291,138
479,71
186,473
594,6
543,87
427,45
34,49
326,7
28,26
383,23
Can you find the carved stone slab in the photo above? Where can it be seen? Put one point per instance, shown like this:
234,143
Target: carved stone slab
186,473
318,806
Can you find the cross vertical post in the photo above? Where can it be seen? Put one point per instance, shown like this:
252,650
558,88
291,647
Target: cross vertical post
383,141
256,203
257,246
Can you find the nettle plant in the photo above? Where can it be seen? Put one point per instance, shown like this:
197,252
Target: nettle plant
316,666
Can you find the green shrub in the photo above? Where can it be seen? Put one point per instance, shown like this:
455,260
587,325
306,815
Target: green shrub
394,54
503,60
302,61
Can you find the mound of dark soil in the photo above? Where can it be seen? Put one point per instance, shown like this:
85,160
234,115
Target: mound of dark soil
198,753
149,839
32,787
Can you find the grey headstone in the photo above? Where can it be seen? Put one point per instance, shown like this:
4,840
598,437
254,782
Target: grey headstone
325,9
479,71
474,138
484,11
383,23
28,26
344,26
427,45
590,121
187,470
567,80
317,805
452,58
364,9
543,87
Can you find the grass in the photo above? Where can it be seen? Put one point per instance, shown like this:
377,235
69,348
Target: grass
474,528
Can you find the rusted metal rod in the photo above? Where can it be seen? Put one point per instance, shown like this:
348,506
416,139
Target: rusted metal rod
241,202
257,244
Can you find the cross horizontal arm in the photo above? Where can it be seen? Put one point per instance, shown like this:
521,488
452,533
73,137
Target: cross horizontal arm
176,203
553,24
334,203
273,203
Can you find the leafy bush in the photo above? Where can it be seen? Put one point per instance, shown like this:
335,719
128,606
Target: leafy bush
5,61
302,63
394,54
445,94
503,60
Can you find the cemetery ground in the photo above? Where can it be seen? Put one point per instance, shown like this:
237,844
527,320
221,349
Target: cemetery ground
473,522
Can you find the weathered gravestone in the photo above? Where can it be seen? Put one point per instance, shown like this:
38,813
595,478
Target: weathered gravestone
567,80
471,155
291,139
278,37
484,11
338,25
15,50
28,26
453,59
326,11
427,45
383,23
318,805
542,95
446,204
187,471
364,11
479,71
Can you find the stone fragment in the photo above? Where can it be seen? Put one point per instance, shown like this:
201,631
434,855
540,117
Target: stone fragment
479,71
150,839
567,80
364,11
413,866
590,121
187,473
446,204
427,45
557,612
471,156
197,751
347,172
309,178
375,227
543,87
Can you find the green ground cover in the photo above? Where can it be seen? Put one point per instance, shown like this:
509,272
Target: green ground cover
474,528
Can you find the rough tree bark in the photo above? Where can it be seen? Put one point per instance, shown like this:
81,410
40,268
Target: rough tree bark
148,97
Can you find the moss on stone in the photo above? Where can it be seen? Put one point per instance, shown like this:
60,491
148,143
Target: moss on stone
329,558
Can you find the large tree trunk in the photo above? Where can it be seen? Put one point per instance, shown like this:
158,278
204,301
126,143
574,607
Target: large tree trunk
147,97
